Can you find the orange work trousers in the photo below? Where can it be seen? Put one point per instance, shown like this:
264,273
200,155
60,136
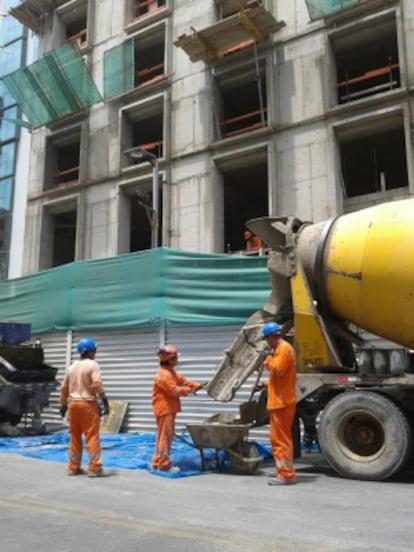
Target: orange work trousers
83,417
165,433
281,421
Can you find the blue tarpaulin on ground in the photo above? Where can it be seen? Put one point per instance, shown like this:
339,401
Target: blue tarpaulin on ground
123,450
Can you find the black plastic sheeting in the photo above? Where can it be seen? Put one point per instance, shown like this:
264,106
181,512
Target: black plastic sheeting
125,451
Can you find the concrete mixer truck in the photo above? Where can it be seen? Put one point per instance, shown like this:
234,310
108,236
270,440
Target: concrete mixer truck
330,281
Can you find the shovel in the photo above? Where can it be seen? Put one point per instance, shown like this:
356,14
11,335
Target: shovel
248,410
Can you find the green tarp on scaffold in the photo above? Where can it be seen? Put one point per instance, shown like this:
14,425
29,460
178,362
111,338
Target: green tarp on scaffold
323,8
140,288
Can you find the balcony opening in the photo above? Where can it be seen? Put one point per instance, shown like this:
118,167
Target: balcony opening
147,7
245,197
374,163
366,63
62,164
242,105
143,128
58,238
149,58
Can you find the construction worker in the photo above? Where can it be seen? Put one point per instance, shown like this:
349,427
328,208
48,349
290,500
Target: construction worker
281,403
169,385
81,386
253,243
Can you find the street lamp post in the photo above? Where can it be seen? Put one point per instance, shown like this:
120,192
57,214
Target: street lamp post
140,154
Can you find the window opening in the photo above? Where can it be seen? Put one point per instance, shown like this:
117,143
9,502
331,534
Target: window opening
144,133
141,220
77,30
149,60
64,238
367,64
244,107
58,238
62,164
375,163
146,7
226,8
245,197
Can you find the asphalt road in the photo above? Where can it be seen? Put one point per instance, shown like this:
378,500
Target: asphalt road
134,511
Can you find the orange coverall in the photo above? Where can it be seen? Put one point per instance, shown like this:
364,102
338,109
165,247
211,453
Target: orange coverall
80,386
169,385
281,404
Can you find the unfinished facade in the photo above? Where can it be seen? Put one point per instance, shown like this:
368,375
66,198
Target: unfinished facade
248,108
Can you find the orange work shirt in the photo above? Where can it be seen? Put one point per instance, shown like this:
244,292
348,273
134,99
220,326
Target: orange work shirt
169,385
281,386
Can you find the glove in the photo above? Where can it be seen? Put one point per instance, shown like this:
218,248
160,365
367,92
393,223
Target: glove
104,410
267,359
63,409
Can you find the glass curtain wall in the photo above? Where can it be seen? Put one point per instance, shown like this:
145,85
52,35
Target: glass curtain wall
13,40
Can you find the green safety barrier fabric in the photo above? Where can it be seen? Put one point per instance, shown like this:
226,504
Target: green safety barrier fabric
119,69
323,8
140,288
54,86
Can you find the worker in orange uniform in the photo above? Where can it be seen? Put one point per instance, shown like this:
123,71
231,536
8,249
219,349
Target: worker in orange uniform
253,243
169,385
78,395
281,402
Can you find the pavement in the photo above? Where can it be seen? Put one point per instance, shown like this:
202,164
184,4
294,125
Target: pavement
133,510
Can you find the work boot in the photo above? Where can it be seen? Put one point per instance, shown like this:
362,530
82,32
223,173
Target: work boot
274,481
79,471
101,473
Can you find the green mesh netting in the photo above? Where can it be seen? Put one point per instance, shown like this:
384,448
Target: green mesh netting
56,85
322,8
119,68
140,288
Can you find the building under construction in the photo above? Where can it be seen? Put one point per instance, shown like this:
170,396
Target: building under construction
162,122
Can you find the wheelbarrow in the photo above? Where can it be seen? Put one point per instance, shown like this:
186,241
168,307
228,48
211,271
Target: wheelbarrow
224,432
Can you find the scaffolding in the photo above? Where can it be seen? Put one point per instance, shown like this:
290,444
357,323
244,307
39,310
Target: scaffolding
252,24
30,13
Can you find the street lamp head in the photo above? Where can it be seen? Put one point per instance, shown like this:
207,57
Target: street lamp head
140,154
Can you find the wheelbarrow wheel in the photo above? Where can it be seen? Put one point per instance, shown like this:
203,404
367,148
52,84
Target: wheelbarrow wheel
244,458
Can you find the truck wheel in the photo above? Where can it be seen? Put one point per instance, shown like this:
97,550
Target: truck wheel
248,451
364,435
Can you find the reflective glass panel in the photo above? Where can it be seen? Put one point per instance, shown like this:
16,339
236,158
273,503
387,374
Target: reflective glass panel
7,158
8,129
6,193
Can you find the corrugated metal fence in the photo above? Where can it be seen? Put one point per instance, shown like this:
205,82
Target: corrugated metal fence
128,363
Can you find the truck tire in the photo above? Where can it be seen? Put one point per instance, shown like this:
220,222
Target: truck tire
364,435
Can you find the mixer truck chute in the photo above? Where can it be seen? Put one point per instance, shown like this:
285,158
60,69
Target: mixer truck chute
331,281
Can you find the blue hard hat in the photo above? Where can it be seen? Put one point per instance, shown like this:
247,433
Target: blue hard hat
86,344
270,328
